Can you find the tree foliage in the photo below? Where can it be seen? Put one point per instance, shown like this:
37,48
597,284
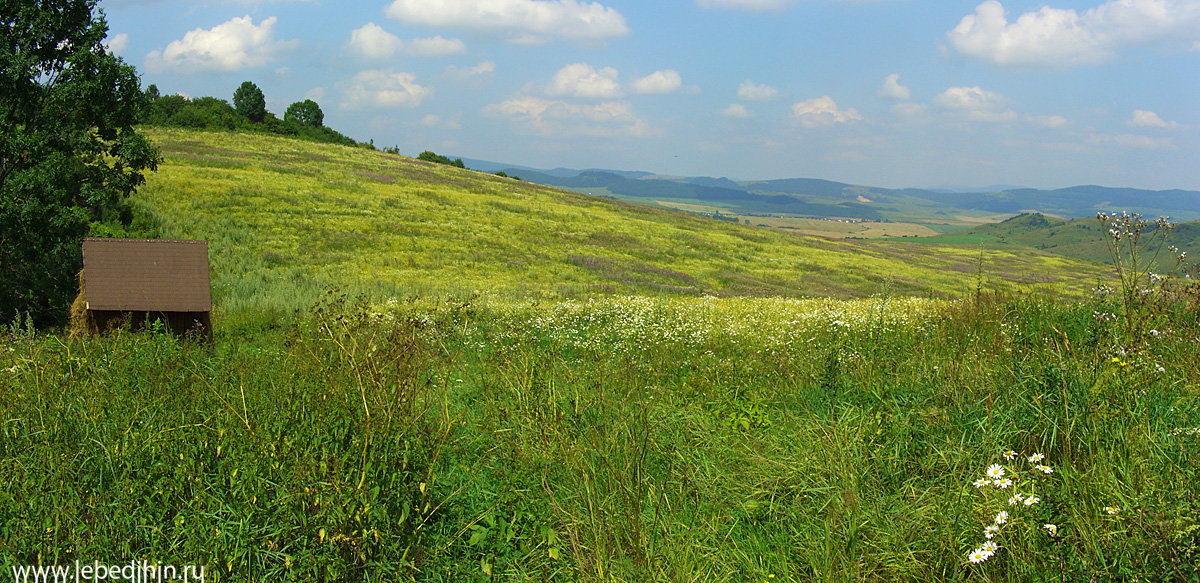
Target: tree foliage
430,156
305,112
218,114
69,154
249,102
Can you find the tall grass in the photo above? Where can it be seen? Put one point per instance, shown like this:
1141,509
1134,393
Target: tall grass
620,439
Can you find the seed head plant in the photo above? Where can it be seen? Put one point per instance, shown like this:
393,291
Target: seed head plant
1134,252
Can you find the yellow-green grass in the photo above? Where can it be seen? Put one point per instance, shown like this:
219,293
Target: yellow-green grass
287,220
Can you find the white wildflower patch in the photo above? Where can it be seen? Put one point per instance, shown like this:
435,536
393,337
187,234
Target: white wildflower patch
1019,503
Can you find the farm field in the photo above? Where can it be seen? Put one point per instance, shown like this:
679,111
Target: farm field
421,373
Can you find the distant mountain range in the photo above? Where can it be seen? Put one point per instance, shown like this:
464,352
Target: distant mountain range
828,199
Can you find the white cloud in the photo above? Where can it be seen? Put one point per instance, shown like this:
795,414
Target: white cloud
751,91
1149,119
582,80
384,89
1133,141
978,104
735,110
373,42
316,94
483,68
522,20
751,5
665,81
908,109
822,111
563,119
1054,37
436,47
893,89
1048,121
231,46
117,43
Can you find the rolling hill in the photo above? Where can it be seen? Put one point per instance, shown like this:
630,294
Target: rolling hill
1082,239
808,197
287,220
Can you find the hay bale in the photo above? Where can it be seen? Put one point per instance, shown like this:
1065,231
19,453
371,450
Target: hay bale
80,322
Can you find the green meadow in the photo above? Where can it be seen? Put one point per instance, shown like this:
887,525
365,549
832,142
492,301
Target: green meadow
423,373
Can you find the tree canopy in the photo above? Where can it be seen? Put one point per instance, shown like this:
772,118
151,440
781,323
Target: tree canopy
305,112
249,101
69,154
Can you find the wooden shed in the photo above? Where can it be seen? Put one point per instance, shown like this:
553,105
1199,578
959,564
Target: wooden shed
143,281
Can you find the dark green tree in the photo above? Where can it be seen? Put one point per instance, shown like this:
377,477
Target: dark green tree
305,112
249,102
69,154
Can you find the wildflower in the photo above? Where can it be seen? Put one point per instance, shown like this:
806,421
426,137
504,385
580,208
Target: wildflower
1037,457
990,531
1015,499
1112,509
1003,483
1002,517
977,556
1009,454
1115,359
995,471
981,482
1030,501
1052,529
1045,469
990,547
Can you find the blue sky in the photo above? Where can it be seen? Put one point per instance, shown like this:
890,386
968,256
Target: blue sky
887,93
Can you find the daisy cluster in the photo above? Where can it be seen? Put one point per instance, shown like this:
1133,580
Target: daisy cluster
1023,494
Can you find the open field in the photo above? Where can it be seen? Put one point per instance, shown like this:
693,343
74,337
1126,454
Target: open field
287,220
420,373
621,439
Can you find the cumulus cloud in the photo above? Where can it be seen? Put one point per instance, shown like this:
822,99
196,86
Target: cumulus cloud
483,68
582,80
1047,121
1054,37
1149,119
908,109
522,20
559,118
822,111
665,81
117,43
751,5
976,103
751,91
735,110
893,89
373,42
377,88
231,46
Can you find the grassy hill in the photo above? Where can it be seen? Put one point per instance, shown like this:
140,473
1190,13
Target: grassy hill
525,435
287,220
1078,238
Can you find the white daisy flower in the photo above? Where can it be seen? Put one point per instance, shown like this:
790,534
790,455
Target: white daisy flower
1044,469
1037,457
1009,454
990,531
1051,528
1015,499
1030,501
989,547
995,471
1112,509
981,482
977,556
1003,516
1003,483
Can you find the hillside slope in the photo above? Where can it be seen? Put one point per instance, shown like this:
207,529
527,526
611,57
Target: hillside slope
287,220
1082,239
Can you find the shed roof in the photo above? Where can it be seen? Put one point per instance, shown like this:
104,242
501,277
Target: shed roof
157,275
